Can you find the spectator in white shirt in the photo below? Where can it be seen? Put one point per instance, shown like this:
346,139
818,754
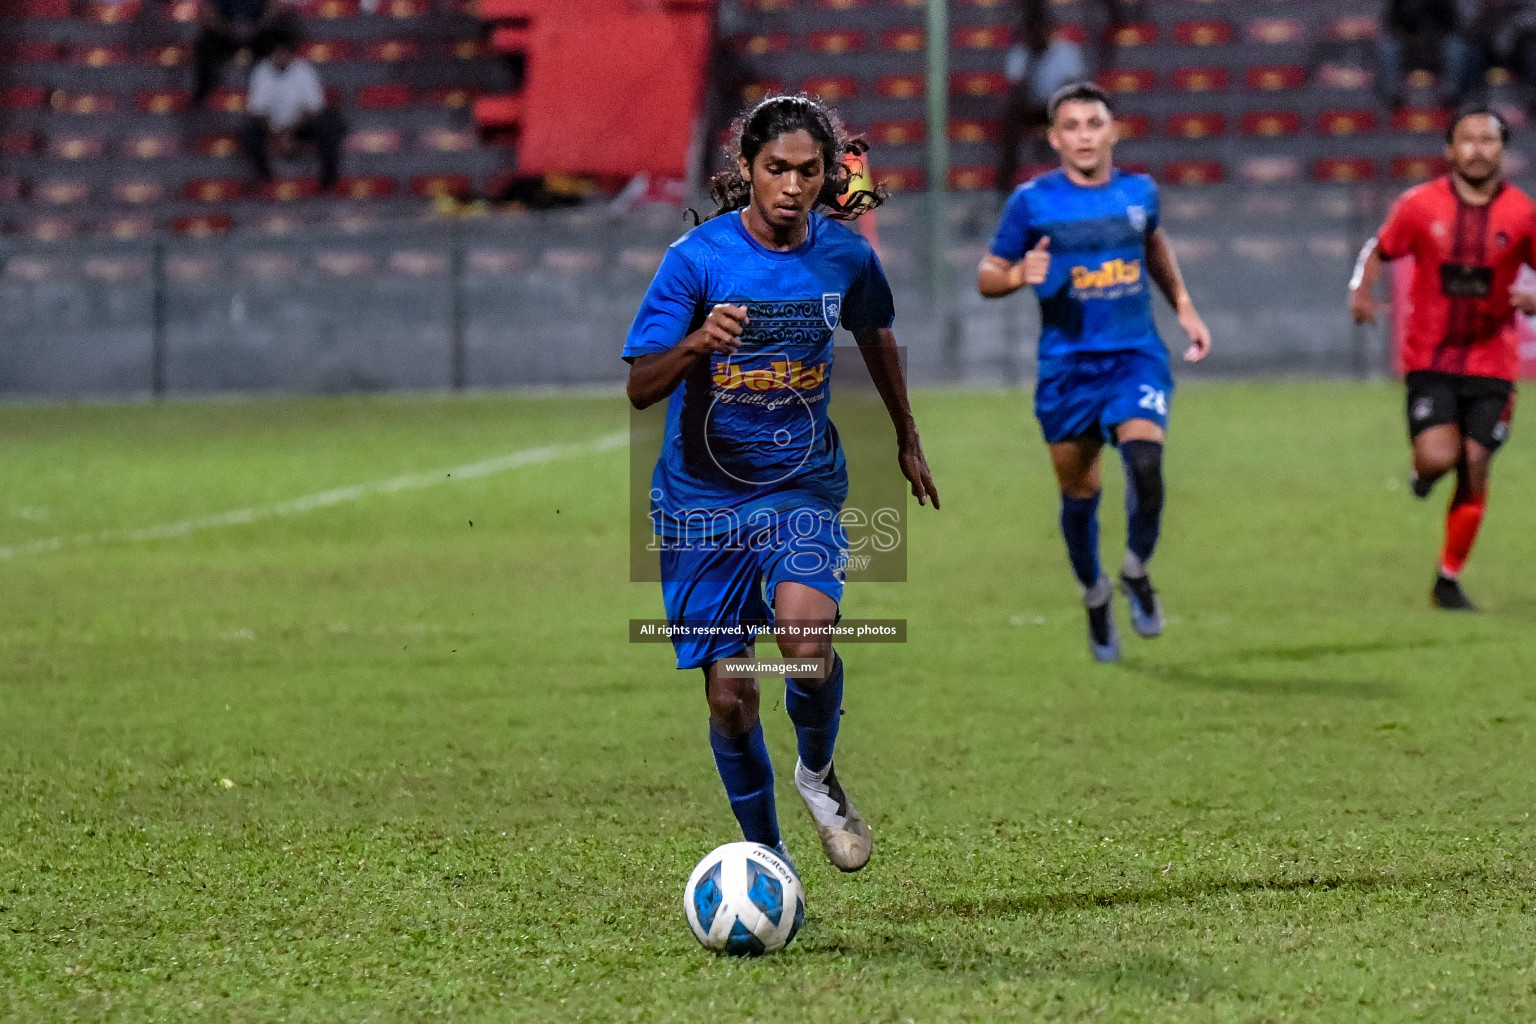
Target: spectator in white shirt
1036,66
285,106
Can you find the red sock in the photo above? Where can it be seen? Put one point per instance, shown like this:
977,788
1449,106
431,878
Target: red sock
1462,520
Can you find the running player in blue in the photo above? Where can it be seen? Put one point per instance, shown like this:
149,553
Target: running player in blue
736,333
1086,238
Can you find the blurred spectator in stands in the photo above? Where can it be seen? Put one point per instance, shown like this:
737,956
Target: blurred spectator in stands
1419,32
285,107
1504,35
1103,21
225,27
1037,65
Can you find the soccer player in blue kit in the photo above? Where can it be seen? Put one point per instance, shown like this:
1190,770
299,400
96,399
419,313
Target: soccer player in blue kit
1086,238
736,333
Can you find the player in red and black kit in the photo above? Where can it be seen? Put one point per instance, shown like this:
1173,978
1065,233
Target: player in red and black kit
1468,234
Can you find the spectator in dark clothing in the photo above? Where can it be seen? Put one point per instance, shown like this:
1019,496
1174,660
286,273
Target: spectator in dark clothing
1413,30
225,27
1504,35
285,106
1037,65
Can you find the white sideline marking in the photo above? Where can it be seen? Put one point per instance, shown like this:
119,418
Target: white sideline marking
325,499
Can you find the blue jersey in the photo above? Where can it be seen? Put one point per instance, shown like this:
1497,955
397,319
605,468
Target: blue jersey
749,432
1096,298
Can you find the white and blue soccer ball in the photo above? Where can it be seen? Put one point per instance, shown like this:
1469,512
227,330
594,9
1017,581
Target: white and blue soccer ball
744,900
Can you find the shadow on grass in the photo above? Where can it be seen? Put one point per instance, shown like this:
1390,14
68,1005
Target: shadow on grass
1215,673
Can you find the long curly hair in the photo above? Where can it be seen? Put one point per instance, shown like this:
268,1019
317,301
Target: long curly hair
780,115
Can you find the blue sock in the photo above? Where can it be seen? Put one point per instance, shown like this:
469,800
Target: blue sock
1080,526
815,710
748,776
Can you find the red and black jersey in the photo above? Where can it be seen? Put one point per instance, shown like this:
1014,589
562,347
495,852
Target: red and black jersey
1465,260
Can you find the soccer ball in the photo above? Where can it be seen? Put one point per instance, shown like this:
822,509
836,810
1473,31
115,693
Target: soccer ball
745,900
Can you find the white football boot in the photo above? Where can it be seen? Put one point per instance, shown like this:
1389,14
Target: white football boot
844,833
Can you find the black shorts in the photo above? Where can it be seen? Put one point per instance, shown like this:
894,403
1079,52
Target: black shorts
1481,407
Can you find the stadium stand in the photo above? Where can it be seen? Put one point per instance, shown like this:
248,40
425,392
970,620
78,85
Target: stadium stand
98,137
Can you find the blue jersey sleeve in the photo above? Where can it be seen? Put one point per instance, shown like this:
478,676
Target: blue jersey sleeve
869,302
672,304
1012,237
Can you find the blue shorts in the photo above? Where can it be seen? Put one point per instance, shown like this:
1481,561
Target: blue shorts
1092,393
713,590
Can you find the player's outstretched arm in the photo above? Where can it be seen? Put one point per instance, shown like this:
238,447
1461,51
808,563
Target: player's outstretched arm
1163,265
996,277
1362,284
878,347
656,375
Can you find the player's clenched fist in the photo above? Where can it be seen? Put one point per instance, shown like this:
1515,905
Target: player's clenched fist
721,330
1037,263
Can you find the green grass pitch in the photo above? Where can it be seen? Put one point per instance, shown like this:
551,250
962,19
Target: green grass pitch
372,762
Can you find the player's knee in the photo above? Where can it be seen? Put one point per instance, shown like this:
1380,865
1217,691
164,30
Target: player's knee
800,648
1144,466
733,704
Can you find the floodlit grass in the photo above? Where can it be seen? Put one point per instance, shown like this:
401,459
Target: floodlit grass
375,762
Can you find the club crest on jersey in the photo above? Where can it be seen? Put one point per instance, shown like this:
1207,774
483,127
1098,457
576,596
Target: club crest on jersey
831,308
1138,216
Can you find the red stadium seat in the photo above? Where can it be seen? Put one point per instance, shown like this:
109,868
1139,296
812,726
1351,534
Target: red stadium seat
453,96
183,11
162,101
1202,33
1194,172
1072,34
835,41
1419,168
138,193
447,140
1196,126
1275,31
326,51
330,10
1271,123
903,40
1142,34
229,101
978,83
391,50
203,227
23,97
435,186
76,147
467,49
1275,77
1344,169
1128,80
173,56
377,140
972,179
58,192
384,97
42,9
275,267
32,52
1354,28
897,133
982,37
840,5
764,42
83,104
900,179
111,12
899,87
149,147
1421,120
1347,76
218,146
10,190
832,88
1133,126
126,228
1211,79
214,190
1266,170
753,92
404,8
973,130
19,143
374,187
289,191
1345,122
50,229
98,56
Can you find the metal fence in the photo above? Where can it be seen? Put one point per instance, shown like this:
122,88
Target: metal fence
544,299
